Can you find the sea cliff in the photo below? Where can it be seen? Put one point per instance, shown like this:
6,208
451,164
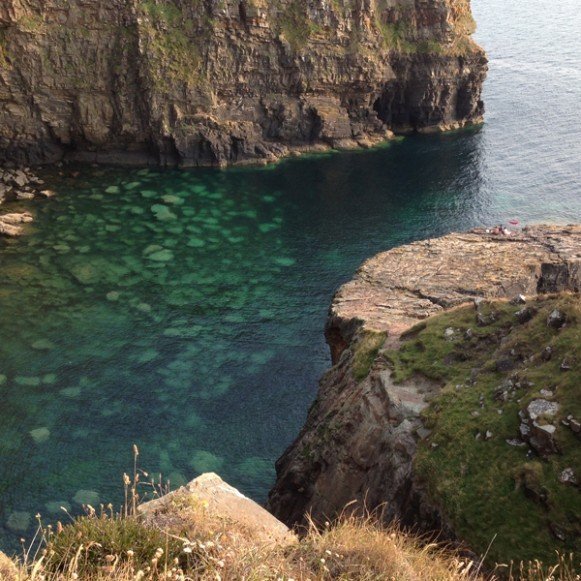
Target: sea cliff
217,83
447,401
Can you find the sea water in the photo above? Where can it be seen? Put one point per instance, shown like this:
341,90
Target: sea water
184,311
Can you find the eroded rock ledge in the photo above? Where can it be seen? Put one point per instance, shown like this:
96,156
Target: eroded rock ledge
394,290
359,441
217,83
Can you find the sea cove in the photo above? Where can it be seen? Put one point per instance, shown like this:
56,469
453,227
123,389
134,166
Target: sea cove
183,311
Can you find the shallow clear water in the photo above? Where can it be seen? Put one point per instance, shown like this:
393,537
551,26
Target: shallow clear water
183,311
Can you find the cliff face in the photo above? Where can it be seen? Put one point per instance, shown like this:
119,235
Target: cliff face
216,82
363,431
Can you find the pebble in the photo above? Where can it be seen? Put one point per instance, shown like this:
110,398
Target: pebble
568,476
204,461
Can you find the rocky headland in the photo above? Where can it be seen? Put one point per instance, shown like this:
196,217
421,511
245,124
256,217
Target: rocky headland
451,355
217,83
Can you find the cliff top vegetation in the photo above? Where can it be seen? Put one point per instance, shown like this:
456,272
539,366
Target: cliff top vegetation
503,454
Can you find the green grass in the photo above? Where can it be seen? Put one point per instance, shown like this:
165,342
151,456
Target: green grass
489,490
165,12
395,36
91,541
366,351
295,24
173,44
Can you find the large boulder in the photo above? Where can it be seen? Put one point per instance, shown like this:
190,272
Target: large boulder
209,505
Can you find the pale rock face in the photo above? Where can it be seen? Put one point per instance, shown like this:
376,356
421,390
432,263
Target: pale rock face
93,78
360,438
210,502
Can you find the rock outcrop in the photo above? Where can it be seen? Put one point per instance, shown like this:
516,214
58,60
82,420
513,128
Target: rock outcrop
19,185
10,224
214,83
361,436
210,504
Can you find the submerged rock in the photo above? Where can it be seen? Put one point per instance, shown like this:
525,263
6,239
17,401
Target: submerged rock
19,521
40,435
57,506
87,497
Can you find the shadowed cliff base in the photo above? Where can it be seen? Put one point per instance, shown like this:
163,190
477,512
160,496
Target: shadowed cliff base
204,84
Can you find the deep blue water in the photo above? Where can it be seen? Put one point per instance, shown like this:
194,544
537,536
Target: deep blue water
184,311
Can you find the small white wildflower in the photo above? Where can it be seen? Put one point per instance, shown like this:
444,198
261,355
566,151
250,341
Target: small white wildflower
323,561
187,550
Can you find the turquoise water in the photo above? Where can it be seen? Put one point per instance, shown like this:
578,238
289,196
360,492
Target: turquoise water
184,311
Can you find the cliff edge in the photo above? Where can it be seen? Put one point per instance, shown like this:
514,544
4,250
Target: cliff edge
437,377
234,81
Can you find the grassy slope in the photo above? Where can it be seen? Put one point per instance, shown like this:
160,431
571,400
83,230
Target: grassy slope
487,488
96,548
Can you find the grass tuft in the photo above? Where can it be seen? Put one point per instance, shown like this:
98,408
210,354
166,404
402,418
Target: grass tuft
366,350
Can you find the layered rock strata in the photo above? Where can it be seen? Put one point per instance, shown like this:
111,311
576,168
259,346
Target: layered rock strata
360,437
214,83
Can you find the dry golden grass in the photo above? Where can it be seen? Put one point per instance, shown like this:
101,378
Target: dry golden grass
353,548
125,546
